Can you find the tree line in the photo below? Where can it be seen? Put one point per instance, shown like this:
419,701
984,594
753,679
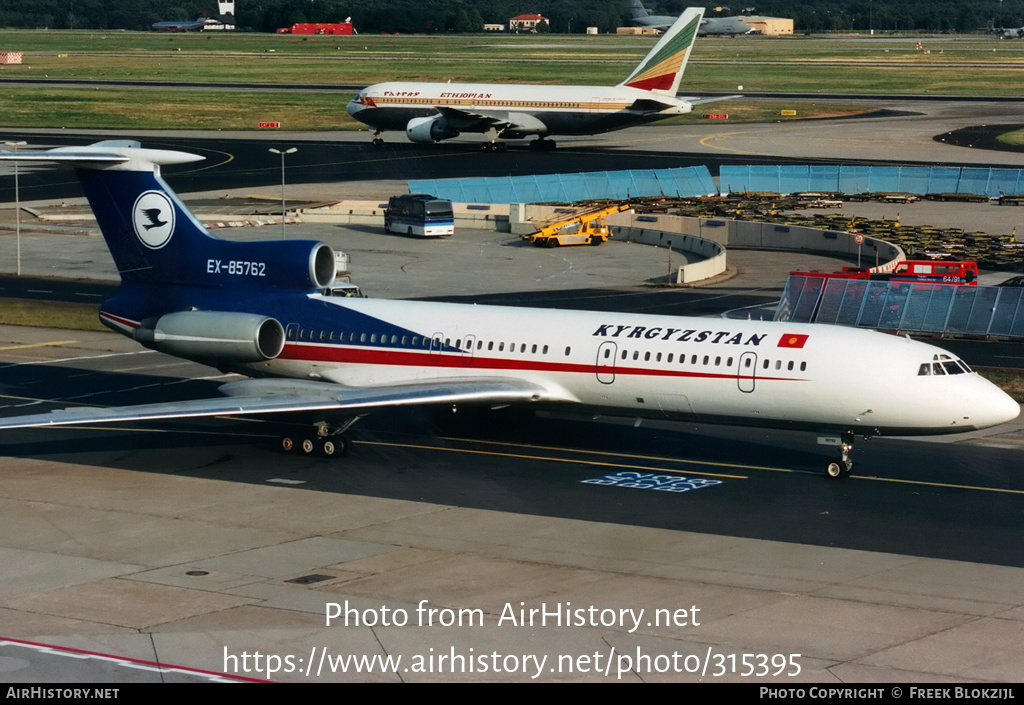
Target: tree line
566,16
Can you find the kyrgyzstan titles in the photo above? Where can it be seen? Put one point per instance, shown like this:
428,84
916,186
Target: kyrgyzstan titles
682,335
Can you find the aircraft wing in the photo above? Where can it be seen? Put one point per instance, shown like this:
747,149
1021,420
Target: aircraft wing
273,396
478,120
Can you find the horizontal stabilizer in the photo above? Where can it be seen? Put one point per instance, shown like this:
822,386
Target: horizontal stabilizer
123,155
711,99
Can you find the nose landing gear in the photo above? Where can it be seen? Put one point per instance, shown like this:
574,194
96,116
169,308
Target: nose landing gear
843,467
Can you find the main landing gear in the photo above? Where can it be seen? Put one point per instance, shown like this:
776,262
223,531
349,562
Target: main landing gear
493,146
842,468
542,145
323,440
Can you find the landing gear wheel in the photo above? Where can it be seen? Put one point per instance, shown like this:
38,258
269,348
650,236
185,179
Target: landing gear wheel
287,444
839,469
307,446
333,446
378,142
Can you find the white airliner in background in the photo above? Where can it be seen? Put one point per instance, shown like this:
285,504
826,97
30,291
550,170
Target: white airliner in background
431,112
257,308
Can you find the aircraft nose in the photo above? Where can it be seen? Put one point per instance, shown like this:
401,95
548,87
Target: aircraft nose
354,105
993,406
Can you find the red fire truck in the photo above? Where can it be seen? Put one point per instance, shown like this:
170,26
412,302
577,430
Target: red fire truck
912,271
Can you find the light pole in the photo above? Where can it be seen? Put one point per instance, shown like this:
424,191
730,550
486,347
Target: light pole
293,150
17,203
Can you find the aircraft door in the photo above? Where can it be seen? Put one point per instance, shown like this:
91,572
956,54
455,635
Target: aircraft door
436,346
467,350
606,354
746,371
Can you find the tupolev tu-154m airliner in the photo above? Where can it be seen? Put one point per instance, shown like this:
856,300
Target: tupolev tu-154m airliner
431,112
258,309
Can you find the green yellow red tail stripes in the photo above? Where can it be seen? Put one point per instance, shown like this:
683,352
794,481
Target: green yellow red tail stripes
662,69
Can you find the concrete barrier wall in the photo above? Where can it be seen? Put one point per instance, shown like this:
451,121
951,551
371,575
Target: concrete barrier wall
705,237
713,256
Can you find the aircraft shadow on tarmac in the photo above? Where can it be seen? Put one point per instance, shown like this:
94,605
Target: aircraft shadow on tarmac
513,460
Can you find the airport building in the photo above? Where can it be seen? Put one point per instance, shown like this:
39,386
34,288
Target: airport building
526,23
771,26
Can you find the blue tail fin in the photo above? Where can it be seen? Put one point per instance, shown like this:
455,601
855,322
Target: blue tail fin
154,238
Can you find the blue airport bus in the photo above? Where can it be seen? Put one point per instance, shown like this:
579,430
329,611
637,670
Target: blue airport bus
420,215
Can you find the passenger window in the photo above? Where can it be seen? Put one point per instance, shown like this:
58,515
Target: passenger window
803,366
790,365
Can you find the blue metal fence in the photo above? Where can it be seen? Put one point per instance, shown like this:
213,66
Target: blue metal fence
686,181
906,307
871,179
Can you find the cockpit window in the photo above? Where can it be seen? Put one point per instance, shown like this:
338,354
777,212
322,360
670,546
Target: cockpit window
943,364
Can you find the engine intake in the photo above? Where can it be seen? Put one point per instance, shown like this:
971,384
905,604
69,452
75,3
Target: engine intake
429,129
215,336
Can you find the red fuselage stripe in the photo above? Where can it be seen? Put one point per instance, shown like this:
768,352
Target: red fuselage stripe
405,358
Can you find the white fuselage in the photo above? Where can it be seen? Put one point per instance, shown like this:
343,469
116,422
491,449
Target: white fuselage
813,377
528,110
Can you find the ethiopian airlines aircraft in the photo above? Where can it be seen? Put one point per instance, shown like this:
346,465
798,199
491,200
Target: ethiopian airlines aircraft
431,112
257,308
